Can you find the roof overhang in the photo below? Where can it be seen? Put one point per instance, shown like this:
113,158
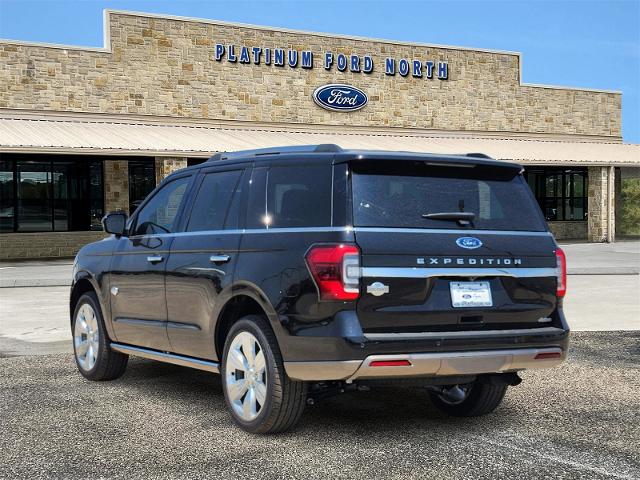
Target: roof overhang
38,132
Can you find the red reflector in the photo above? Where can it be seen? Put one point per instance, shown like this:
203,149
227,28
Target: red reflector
390,363
545,355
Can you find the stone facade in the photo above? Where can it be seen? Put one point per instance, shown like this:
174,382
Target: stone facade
167,165
167,67
601,221
569,230
116,185
22,246
162,66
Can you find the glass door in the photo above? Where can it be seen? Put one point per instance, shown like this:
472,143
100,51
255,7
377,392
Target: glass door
34,197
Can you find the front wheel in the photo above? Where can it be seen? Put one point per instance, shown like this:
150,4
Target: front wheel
94,357
469,400
258,393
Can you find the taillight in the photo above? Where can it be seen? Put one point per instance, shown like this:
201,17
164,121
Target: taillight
336,271
561,261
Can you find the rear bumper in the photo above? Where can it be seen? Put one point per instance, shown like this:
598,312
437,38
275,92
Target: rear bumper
428,364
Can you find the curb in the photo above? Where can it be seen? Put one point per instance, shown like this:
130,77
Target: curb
34,283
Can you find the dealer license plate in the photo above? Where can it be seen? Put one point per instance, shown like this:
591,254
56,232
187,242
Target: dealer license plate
470,294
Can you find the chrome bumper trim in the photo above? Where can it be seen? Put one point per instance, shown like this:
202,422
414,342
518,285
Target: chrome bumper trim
426,272
426,365
321,371
167,357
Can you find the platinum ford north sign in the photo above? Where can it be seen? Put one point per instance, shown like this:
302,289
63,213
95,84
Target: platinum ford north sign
340,98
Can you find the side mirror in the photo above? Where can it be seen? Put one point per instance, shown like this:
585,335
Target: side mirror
115,222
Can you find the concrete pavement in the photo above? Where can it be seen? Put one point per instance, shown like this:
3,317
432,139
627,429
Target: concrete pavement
37,273
619,258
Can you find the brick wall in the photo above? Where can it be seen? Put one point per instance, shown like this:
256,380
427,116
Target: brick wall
167,67
22,246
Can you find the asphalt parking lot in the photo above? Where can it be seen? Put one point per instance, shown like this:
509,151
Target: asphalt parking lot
580,420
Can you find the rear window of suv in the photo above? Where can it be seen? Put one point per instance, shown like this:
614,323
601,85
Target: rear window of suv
398,194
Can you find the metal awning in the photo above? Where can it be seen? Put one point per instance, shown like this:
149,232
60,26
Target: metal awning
177,137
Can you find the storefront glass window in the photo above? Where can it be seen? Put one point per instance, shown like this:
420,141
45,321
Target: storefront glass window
142,180
561,193
7,196
50,193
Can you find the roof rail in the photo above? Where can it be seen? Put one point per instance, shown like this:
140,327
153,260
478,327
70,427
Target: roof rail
321,148
478,155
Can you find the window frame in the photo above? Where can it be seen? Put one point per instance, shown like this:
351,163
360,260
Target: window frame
178,219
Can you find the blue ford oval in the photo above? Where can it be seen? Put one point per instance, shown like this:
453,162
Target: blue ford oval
469,242
340,98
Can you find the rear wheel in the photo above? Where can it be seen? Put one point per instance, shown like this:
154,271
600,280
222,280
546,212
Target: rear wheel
469,400
94,357
260,396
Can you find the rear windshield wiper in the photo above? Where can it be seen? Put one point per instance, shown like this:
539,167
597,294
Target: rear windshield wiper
463,218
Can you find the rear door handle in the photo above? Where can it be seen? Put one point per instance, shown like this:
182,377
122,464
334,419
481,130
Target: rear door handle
154,258
219,258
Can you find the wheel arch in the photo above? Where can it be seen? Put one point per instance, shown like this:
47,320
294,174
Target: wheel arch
84,283
80,287
245,301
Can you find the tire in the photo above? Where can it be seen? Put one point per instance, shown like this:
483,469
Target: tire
481,399
105,364
245,383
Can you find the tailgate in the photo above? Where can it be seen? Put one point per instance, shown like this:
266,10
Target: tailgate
510,279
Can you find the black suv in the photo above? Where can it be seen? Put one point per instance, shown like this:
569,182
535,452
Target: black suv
300,272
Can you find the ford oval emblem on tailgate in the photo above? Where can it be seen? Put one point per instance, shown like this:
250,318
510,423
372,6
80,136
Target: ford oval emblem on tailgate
340,98
469,242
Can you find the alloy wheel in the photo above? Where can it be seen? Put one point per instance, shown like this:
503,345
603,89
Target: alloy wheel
86,337
246,376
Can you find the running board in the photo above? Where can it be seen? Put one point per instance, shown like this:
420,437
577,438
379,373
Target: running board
167,357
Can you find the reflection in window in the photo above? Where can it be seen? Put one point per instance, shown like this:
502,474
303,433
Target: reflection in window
560,192
159,213
142,180
44,193
34,197
7,199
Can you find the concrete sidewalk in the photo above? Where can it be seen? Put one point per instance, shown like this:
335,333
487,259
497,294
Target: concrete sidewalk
621,258
36,273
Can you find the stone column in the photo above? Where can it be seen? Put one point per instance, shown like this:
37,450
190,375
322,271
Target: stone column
168,165
116,185
601,224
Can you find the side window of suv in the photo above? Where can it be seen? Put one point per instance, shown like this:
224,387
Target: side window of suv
299,196
212,207
159,214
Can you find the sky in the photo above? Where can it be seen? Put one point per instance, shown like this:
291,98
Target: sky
577,43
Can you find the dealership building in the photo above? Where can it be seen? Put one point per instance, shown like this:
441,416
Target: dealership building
84,131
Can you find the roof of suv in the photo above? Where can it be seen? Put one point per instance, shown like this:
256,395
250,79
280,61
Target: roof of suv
339,155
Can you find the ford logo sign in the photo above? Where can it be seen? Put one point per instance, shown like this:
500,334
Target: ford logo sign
340,98
469,242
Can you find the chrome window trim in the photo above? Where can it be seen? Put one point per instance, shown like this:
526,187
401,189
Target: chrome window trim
454,231
248,231
426,272
347,229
